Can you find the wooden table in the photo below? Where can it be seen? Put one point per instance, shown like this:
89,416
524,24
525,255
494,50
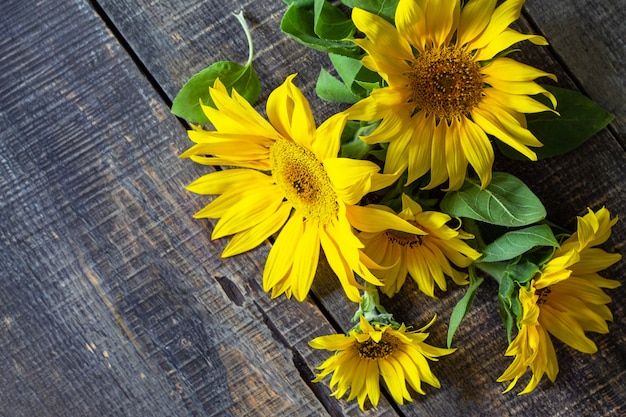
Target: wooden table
114,301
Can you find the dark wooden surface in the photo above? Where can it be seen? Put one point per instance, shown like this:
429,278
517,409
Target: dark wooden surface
114,300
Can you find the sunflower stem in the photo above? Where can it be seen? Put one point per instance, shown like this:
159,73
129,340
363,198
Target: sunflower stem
246,29
371,309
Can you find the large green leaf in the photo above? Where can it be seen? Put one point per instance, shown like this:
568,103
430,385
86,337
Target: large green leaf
506,201
514,243
242,78
580,118
299,23
331,23
383,8
359,79
331,89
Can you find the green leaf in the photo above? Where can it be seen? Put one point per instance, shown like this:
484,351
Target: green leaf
515,243
299,24
506,295
303,4
359,79
331,23
331,89
463,306
383,8
242,78
506,201
580,118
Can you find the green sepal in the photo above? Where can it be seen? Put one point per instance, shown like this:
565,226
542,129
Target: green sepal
578,120
372,311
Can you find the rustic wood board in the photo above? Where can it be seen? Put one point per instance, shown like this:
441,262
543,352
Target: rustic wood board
100,253
588,37
113,299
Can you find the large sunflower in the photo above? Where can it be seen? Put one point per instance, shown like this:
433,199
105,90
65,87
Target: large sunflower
370,351
565,301
426,256
447,87
287,177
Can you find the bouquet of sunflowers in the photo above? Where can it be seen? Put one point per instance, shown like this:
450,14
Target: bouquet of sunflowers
400,184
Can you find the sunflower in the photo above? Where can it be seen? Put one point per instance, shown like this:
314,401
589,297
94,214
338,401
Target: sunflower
426,256
286,177
368,351
448,86
565,301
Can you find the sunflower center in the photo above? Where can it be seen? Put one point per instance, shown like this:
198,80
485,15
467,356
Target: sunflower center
445,82
542,295
404,239
372,350
304,181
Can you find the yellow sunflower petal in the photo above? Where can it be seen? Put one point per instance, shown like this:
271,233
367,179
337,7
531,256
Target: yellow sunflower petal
328,137
280,258
289,112
368,219
442,18
332,342
254,236
420,147
474,19
567,330
371,384
438,171
252,208
456,157
505,128
220,182
341,268
381,33
505,14
411,23
510,70
517,102
478,150
306,259
506,39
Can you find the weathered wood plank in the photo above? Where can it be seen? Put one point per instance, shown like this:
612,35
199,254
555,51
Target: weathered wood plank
110,295
141,246
588,385
588,37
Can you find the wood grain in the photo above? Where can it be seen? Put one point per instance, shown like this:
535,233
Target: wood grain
114,301
111,302
588,37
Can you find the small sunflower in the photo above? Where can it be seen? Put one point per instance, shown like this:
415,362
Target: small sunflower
448,85
426,256
286,178
565,300
368,352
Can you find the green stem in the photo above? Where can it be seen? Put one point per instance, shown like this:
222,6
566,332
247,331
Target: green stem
246,29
